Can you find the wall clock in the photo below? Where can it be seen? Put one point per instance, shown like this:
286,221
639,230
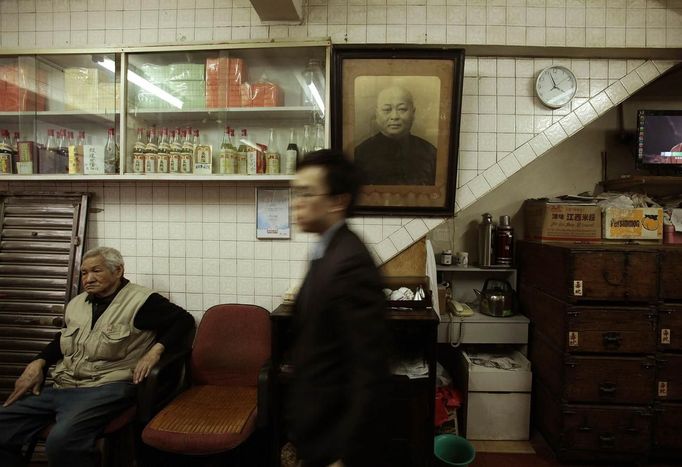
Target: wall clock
556,86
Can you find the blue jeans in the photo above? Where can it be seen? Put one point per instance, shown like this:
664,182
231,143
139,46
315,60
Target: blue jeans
79,415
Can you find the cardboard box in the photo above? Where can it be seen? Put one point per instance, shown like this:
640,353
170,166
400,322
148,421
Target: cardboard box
548,221
633,224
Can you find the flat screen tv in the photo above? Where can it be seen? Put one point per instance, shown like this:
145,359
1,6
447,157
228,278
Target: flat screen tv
659,137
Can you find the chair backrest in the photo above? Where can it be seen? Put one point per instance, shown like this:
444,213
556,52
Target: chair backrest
231,345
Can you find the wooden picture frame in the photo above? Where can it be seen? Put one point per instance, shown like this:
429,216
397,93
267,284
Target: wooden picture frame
396,114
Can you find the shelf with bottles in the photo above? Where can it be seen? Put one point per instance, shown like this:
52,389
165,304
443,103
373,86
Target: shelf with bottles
58,117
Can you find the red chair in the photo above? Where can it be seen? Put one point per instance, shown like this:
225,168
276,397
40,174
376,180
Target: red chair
228,397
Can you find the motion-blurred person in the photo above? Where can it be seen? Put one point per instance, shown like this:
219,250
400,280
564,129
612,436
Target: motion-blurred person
340,351
115,333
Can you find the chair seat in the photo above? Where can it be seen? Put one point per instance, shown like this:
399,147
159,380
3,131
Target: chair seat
204,420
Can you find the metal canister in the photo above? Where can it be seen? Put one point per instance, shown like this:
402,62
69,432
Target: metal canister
485,240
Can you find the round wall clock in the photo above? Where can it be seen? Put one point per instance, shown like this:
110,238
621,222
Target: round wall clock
556,86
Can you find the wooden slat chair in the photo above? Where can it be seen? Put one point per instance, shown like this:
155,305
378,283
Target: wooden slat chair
228,397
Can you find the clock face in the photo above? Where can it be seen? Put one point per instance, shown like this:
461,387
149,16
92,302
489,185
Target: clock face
556,86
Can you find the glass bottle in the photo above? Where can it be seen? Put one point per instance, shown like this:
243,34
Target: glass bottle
62,165
307,144
163,155
72,140
242,153
150,152
139,147
226,158
81,138
272,157
319,137
187,152
175,152
5,153
291,154
110,154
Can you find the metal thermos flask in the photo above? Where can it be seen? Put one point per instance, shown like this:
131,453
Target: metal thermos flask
504,242
485,240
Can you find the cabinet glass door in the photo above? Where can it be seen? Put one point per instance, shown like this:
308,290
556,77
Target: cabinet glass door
56,105
224,112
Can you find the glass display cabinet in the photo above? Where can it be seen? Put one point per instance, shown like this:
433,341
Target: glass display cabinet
53,102
193,112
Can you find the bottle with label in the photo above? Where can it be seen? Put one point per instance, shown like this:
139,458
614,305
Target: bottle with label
110,154
242,154
485,240
307,143
187,152
272,157
291,154
175,152
227,153
62,153
81,138
163,155
504,243
15,151
150,152
139,147
5,153
46,154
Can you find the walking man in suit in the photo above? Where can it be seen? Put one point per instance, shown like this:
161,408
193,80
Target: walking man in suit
340,351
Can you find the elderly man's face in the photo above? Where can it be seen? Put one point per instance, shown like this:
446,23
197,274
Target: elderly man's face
395,112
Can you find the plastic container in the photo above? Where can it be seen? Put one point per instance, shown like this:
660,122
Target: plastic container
453,450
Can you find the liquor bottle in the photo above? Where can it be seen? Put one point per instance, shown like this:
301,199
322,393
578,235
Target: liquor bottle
226,157
187,152
272,158
15,142
242,154
5,153
307,143
110,154
81,138
62,159
319,137
150,152
163,154
175,152
291,154
72,140
139,147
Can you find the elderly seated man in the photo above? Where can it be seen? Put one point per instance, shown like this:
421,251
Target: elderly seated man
115,333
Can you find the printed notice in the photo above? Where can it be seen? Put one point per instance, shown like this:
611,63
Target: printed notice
272,213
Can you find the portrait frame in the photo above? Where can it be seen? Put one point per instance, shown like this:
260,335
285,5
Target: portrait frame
414,182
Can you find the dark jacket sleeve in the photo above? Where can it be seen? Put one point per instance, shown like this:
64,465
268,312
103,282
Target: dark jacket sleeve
170,322
52,353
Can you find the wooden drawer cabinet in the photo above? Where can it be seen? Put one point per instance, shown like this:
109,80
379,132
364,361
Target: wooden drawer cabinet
606,348
583,329
669,377
588,272
667,435
670,328
671,273
580,432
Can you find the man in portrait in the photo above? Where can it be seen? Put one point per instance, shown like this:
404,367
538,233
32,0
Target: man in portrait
394,156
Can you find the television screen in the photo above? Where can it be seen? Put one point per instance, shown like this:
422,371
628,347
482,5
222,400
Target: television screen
660,136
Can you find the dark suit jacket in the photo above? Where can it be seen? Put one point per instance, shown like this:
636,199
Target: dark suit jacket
340,357
386,161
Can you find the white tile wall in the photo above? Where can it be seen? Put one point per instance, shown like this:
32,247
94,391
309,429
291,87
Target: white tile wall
170,233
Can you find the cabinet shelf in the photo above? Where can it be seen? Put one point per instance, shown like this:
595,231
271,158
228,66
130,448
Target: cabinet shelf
58,117
149,177
261,113
650,184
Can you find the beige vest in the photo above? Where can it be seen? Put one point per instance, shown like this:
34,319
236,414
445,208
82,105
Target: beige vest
107,352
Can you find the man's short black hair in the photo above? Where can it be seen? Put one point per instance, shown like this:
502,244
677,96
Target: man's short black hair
342,177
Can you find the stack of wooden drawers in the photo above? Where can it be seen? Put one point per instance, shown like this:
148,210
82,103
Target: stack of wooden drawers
606,386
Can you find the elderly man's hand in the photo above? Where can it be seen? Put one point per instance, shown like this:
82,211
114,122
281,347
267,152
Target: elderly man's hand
30,380
147,362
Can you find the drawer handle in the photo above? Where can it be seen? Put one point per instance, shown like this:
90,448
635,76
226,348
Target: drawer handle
607,440
23,321
612,339
607,389
605,274
585,428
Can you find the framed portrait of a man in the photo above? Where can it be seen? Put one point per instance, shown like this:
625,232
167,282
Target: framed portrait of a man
396,114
